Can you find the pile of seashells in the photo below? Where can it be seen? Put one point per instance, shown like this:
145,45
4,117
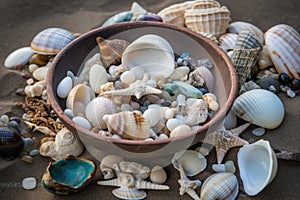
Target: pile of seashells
111,96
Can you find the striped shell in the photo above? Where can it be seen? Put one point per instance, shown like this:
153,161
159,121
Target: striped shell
260,107
204,4
211,20
128,124
51,40
174,14
10,142
283,44
222,185
237,27
227,41
247,40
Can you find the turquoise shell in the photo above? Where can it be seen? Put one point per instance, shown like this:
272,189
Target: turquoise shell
125,16
183,88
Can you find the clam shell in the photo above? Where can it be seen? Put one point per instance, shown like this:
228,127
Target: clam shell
257,163
283,44
128,124
97,108
211,20
260,107
238,26
18,57
158,175
98,77
85,71
51,40
191,161
174,14
227,41
204,4
158,61
222,185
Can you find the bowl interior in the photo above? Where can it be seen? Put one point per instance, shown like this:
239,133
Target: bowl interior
73,57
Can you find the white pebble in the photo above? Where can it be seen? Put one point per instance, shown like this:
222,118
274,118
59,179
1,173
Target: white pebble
180,131
290,93
195,127
127,77
149,139
126,107
152,116
19,56
258,131
40,73
162,136
81,121
30,81
64,87
69,113
169,114
284,88
29,183
152,83
116,136
173,123
4,119
26,117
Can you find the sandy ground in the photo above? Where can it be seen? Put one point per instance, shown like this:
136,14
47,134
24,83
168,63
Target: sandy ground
20,20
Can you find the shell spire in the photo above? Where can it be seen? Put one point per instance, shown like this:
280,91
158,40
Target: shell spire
112,182
239,130
141,184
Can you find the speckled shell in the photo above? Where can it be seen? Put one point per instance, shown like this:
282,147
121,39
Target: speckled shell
237,27
247,40
18,57
174,14
260,107
51,40
222,185
11,142
127,124
211,20
227,41
283,44
257,165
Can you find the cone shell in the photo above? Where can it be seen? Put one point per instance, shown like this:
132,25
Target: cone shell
227,41
174,14
260,107
212,20
128,124
51,40
237,27
283,44
222,185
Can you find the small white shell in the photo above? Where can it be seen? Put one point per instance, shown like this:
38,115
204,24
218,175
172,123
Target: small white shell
64,87
18,57
152,116
179,73
191,161
97,77
201,76
40,73
180,130
81,121
158,175
260,107
127,77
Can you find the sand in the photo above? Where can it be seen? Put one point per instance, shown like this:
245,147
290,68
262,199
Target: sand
21,20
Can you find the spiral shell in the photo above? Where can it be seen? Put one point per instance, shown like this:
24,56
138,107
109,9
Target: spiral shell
51,40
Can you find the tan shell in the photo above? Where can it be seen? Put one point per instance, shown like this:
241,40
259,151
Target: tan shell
211,20
139,171
204,4
158,175
129,125
202,76
106,165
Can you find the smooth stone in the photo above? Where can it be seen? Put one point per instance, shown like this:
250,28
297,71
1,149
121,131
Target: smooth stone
166,103
40,73
21,92
69,113
39,60
284,78
81,121
126,107
16,119
152,116
64,87
135,105
173,123
291,93
227,167
258,131
25,75
97,77
116,136
127,77
71,75
179,73
158,175
28,144
29,183
162,136
27,159
4,119
169,114
18,57
195,127
32,68
26,134
154,99
34,152
180,131
14,125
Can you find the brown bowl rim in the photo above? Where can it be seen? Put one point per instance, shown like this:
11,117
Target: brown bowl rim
128,25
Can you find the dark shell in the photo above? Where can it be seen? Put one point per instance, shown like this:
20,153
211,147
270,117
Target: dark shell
149,17
284,78
295,84
68,175
11,142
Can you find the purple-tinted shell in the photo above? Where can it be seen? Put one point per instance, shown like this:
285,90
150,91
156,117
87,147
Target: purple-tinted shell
10,142
149,17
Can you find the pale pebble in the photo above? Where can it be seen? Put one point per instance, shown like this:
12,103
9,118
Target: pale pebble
149,139
180,131
173,123
81,121
40,73
4,119
258,131
127,77
32,68
169,114
18,57
152,83
29,183
291,93
162,136
64,87
69,113
30,81
126,107
179,73
152,116
116,136
196,127
28,144
34,152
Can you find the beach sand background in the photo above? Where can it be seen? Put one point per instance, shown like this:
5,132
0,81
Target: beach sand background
21,20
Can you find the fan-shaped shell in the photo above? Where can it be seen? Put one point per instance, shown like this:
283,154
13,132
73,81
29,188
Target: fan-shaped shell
227,41
258,166
128,124
51,40
222,185
211,20
18,57
158,61
260,107
283,44
238,26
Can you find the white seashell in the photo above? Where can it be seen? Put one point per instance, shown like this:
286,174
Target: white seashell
127,77
138,72
237,27
220,186
191,161
97,77
18,57
158,175
64,87
137,10
258,166
202,76
106,165
227,167
260,107
180,130
35,90
152,116
81,121
158,61
258,132
85,71
40,73
179,73
227,41
283,44
211,100
97,108
173,123
204,4
264,59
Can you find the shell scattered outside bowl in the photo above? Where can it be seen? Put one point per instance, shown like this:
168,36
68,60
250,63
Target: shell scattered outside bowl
257,163
227,41
51,40
283,44
18,57
151,52
68,175
11,142
260,107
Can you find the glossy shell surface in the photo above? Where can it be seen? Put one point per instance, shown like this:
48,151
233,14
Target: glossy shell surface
11,142
18,57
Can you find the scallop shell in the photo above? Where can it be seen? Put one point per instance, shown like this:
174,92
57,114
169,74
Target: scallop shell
158,61
204,4
97,108
111,50
98,77
18,57
237,27
247,40
128,124
158,175
78,98
211,20
222,185
51,40
227,41
260,107
191,161
258,166
283,44
174,14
